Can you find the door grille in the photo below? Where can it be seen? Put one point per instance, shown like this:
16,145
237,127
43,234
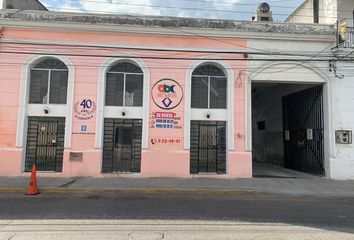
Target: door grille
208,147
302,111
45,143
122,145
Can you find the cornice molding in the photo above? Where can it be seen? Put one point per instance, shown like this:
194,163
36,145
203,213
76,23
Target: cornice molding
132,29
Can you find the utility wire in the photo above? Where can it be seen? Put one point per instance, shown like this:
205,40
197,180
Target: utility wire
298,64
161,58
147,49
172,67
203,9
180,8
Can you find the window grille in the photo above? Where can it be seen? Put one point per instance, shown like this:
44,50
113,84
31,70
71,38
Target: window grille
209,87
49,82
124,85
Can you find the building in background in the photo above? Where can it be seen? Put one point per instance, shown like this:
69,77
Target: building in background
323,12
171,97
338,13
23,4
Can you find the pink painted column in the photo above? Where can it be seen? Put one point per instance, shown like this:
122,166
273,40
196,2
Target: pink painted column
239,161
84,121
10,76
165,156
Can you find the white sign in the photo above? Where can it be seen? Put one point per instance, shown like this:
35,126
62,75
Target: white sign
287,135
309,134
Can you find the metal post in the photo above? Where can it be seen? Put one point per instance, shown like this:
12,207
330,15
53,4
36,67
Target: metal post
337,34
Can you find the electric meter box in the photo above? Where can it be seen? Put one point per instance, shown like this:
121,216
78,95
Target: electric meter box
344,136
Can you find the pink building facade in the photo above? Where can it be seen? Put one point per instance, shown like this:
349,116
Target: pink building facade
86,101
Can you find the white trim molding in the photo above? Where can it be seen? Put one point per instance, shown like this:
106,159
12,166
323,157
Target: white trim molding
216,114
58,110
116,112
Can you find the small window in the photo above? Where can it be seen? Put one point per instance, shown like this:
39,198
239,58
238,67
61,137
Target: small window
49,82
209,88
124,85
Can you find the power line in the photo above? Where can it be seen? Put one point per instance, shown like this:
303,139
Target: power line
316,55
183,8
202,9
154,66
147,49
161,58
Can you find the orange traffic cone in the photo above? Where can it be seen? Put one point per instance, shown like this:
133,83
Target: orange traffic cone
32,189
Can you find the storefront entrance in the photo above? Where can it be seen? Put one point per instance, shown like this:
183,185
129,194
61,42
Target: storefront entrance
208,147
122,145
45,143
288,128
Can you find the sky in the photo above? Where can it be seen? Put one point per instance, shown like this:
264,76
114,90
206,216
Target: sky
215,9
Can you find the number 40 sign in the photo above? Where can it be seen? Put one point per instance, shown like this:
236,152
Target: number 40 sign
84,109
86,104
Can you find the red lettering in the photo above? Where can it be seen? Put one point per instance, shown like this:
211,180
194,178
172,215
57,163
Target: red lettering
161,88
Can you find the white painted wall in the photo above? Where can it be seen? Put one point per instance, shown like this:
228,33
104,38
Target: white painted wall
338,95
342,162
1,4
330,12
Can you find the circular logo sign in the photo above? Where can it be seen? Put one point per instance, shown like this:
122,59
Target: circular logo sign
84,109
167,94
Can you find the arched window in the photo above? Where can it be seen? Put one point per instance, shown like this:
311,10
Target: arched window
209,87
124,85
49,82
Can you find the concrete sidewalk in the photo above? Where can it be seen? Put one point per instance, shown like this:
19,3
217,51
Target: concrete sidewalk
306,186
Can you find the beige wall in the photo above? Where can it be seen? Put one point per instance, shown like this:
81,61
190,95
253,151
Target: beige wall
23,4
303,14
330,12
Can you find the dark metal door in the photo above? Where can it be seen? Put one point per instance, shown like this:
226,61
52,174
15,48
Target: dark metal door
45,143
208,147
304,131
122,145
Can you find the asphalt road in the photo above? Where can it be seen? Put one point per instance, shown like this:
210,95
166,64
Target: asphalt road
326,214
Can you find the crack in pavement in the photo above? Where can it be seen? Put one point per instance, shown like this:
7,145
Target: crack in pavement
67,184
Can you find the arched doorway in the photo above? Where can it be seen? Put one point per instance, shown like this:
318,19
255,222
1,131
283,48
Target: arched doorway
288,115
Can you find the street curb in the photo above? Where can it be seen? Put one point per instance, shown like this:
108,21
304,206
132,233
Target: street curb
230,192
136,190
